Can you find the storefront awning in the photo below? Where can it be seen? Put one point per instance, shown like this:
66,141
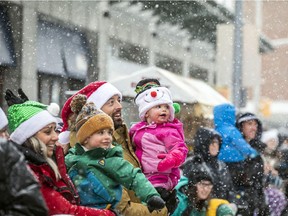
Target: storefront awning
185,90
61,51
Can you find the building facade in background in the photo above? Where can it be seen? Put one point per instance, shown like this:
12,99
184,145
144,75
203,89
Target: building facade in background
51,47
272,21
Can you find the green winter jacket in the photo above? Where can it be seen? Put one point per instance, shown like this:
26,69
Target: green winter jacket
99,173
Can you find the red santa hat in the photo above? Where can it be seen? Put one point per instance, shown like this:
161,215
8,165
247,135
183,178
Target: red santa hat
98,92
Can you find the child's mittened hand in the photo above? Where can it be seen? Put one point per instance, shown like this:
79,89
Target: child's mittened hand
161,156
168,162
155,203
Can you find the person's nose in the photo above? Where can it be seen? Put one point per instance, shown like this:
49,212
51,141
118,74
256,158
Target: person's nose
55,136
107,135
118,105
254,127
164,108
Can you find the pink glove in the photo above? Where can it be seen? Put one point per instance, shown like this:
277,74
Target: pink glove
167,163
171,160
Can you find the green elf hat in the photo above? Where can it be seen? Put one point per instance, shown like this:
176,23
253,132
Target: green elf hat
26,119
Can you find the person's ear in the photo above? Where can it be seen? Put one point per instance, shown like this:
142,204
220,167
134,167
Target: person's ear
86,140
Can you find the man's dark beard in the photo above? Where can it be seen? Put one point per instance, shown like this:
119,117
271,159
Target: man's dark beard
117,123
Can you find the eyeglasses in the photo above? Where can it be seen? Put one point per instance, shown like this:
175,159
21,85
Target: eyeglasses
205,185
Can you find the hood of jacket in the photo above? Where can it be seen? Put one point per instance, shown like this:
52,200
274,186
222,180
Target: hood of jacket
203,139
224,114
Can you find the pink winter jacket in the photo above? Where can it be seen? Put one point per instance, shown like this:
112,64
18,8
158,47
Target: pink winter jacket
161,149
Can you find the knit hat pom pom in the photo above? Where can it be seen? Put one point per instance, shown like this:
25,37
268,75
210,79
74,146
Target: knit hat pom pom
77,103
177,107
53,109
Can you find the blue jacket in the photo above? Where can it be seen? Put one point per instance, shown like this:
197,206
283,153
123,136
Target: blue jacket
234,148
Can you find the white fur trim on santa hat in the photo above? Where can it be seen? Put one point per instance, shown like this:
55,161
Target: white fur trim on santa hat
103,94
31,126
146,101
64,138
3,119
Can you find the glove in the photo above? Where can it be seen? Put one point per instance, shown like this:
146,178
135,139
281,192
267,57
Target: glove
171,160
155,203
167,163
170,198
13,99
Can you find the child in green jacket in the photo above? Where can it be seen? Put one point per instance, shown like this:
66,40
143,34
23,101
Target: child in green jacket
97,168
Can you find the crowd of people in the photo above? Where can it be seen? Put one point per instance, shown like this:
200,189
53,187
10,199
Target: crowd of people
86,161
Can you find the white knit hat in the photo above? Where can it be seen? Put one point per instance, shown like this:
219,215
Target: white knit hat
153,97
3,119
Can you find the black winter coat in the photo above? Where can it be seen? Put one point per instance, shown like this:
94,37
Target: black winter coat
19,189
254,168
223,186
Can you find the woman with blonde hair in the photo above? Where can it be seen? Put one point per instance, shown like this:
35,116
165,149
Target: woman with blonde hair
33,129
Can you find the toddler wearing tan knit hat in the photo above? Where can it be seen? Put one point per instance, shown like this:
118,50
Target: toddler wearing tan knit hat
89,121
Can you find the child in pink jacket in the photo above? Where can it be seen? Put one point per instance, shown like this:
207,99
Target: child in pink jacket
159,138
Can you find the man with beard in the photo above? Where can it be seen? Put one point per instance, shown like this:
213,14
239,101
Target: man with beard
108,98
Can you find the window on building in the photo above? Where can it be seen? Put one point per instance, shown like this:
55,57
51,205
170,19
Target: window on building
50,88
62,61
199,73
74,84
129,52
7,53
169,64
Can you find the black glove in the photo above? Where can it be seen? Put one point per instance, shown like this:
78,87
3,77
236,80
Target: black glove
155,203
170,198
12,99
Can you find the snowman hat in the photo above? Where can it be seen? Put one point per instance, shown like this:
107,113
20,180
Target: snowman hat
153,97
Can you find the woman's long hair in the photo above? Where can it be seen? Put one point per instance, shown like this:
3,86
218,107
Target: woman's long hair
40,149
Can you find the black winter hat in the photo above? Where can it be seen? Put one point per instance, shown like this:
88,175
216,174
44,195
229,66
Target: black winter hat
198,171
